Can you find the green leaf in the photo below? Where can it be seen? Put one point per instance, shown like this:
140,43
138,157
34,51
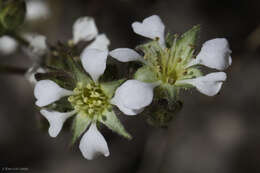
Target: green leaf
186,44
145,74
111,121
79,126
109,88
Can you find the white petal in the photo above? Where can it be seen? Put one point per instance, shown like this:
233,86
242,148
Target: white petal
94,62
30,74
101,43
134,94
37,9
93,143
47,92
215,54
125,55
84,29
56,120
209,85
38,46
7,45
124,109
151,27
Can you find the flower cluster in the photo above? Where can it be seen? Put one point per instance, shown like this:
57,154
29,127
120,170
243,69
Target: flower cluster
74,80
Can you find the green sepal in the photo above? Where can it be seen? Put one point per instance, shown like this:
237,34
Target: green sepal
77,71
79,126
145,74
62,105
110,120
167,91
66,58
12,14
152,51
109,88
170,40
186,44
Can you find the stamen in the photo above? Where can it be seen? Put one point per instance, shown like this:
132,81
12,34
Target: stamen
89,100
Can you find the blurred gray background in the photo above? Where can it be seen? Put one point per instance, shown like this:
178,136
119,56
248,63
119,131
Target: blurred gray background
218,134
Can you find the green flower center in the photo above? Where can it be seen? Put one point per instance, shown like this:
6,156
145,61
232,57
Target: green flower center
170,68
89,100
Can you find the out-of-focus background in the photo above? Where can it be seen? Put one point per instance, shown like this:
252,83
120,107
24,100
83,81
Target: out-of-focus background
218,134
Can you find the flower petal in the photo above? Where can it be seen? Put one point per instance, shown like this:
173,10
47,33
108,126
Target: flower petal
84,29
47,92
209,85
134,94
125,55
215,54
36,10
93,143
124,109
151,27
101,43
7,45
30,73
56,120
94,62
38,46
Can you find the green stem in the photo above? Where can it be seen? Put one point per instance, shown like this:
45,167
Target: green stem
6,69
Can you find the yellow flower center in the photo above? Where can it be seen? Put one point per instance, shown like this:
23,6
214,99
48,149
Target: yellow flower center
89,100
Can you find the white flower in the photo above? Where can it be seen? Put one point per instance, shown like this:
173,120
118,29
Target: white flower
37,45
214,54
7,45
85,29
131,97
37,9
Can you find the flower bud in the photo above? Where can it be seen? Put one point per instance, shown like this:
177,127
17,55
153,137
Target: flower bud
12,15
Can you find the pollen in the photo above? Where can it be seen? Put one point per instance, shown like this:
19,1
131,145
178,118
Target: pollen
89,100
